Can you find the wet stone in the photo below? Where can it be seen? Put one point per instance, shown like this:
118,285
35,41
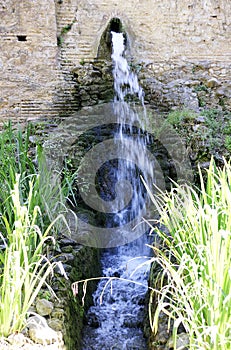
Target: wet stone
182,342
44,307
55,324
67,249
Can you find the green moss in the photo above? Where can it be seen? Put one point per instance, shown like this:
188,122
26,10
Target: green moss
64,31
86,265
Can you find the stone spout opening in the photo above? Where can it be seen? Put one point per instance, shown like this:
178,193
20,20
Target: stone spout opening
116,25
105,45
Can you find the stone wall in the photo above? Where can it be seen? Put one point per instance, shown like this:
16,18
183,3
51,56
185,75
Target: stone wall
157,30
43,42
28,59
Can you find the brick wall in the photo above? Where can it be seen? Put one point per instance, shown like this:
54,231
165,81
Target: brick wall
36,70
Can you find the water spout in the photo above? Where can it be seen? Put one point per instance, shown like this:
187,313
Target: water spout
105,45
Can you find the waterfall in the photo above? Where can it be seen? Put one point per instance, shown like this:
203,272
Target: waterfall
125,81
115,320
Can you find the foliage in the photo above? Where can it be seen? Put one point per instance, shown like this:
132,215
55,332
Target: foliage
179,116
196,275
204,133
201,87
16,158
28,207
24,269
63,32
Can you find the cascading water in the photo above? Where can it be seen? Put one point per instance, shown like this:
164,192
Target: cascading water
115,320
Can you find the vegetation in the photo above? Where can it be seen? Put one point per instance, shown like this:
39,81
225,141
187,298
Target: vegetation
24,268
177,117
196,275
15,159
27,222
64,31
195,261
205,134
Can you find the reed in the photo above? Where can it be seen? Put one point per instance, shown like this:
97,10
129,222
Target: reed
24,268
196,262
30,200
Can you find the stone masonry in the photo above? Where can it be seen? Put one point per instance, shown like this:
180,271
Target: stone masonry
46,47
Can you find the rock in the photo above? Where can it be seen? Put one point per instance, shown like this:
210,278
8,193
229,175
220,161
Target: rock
17,340
40,332
200,119
66,257
196,127
58,313
35,321
67,242
211,83
44,307
220,92
43,335
176,82
182,342
56,324
67,249
224,91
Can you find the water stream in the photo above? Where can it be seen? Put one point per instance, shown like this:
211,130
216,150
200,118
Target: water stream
115,320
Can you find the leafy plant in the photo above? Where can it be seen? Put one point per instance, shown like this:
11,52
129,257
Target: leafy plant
82,62
196,275
177,117
63,32
228,142
201,87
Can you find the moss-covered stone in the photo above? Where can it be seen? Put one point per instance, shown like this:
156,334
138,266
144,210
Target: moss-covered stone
85,265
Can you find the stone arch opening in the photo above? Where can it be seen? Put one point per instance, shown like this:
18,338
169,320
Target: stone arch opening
105,45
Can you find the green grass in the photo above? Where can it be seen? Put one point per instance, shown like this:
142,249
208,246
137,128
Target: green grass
196,261
31,197
24,268
16,158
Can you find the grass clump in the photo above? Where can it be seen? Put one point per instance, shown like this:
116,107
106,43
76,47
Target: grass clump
19,156
23,267
196,263
28,220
